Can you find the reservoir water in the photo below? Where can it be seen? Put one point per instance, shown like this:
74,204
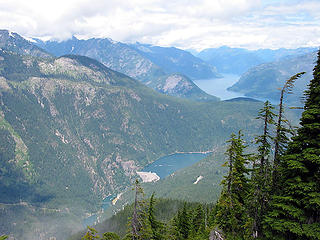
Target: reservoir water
163,167
218,86
167,165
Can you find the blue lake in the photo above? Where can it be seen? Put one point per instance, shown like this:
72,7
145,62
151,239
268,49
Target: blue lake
167,165
218,86
163,167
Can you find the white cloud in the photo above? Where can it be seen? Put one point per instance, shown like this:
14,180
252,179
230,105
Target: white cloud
183,23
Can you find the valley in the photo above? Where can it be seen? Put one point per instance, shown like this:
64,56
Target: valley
81,120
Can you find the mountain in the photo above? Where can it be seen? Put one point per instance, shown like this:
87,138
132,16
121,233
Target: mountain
155,70
264,80
174,60
74,131
14,42
239,60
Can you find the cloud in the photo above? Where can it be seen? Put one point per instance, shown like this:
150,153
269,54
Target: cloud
193,24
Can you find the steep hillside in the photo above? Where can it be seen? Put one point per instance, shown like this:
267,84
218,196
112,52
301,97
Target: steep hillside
239,60
75,132
154,71
264,80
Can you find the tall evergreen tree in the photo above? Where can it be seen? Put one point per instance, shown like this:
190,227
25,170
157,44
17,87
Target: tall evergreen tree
231,213
261,172
184,222
295,210
156,226
139,224
281,140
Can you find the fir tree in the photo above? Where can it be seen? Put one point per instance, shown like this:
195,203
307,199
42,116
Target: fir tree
198,221
261,172
184,224
139,224
281,140
110,236
91,234
295,210
231,213
156,226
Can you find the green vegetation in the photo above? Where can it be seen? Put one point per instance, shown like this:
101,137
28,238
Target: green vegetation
86,129
287,208
252,205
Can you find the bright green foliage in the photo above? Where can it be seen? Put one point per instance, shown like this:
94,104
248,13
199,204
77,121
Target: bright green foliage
295,210
3,237
110,236
91,234
231,215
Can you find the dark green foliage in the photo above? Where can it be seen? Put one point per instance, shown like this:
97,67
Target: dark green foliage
156,226
281,138
110,236
295,209
139,224
231,213
184,222
260,189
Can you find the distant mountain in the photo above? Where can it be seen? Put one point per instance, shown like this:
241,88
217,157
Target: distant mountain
14,42
73,131
239,60
154,68
264,80
174,60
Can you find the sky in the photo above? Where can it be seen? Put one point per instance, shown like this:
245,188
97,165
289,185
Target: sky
186,24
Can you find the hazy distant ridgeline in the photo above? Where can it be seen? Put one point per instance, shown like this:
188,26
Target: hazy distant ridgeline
239,60
167,70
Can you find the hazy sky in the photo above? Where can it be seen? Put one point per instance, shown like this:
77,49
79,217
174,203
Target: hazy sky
196,24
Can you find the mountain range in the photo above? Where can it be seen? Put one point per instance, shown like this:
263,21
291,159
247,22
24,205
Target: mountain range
239,60
264,81
73,131
167,70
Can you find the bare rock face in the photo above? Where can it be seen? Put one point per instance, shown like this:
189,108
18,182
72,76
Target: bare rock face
216,234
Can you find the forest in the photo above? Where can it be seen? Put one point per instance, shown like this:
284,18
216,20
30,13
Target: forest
270,193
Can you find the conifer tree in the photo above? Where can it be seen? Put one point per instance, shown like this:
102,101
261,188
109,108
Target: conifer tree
184,224
198,219
231,213
91,234
261,172
281,140
295,210
156,226
110,236
139,224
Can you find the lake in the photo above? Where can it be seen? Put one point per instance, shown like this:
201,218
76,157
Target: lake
167,165
163,167
218,86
